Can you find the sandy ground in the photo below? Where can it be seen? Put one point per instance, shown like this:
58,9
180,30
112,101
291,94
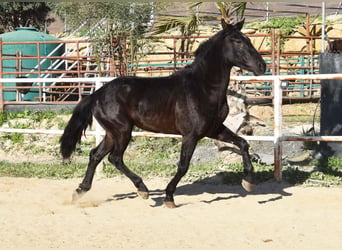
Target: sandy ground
38,213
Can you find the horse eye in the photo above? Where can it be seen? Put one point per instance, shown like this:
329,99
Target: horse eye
237,41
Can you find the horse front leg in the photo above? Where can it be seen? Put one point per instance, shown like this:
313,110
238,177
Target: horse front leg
226,135
187,150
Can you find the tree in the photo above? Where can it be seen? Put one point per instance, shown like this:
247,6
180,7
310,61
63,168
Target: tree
188,25
109,23
231,11
24,14
120,16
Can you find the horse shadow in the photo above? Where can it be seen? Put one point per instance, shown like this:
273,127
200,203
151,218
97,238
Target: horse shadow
214,185
227,192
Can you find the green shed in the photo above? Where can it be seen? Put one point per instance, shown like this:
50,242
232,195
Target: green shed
20,36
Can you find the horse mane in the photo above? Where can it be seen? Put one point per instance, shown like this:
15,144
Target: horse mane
207,53
206,45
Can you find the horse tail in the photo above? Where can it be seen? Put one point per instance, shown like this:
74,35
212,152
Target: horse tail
81,118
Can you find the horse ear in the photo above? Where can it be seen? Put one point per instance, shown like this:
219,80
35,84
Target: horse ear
239,24
224,24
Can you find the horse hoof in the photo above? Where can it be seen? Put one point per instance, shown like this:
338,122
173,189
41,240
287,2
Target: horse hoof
170,204
247,186
143,194
76,195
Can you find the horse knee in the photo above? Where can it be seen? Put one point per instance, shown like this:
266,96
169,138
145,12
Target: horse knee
243,145
93,156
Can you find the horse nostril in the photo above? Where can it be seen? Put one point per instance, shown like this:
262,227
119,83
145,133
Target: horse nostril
262,66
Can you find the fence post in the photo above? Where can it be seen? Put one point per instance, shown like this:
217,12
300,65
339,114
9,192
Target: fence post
174,55
98,136
1,84
277,103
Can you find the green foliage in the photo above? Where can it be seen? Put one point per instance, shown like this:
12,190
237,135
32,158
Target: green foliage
36,116
24,14
27,119
154,145
331,165
39,116
121,16
229,10
326,172
107,23
3,117
187,25
232,175
286,25
16,138
27,169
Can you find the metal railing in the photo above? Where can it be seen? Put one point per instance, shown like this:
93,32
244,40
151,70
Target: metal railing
278,138
159,63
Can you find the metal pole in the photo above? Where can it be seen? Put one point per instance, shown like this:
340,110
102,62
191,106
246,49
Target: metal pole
323,27
338,10
273,42
98,136
278,93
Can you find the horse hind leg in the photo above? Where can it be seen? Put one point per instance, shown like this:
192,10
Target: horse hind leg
95,157
116,158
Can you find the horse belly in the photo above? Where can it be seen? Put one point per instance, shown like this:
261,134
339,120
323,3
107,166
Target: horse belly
153,108
156,123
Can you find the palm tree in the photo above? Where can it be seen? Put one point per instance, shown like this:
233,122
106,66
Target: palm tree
188,25
231,11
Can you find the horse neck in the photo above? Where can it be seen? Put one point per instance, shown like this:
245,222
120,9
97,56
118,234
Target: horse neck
213,75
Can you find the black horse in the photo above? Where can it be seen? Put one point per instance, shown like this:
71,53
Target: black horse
191,102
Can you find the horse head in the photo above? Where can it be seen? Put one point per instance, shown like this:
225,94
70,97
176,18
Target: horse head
239,51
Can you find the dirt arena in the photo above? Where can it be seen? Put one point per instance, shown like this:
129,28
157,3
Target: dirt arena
38,213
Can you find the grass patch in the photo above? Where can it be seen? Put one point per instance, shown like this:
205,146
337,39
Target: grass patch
230,174
16,138
34,116
297,118
54,171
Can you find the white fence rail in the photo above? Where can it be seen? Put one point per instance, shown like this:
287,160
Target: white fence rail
277,138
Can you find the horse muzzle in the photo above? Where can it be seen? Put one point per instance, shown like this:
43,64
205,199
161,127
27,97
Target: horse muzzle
260,69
